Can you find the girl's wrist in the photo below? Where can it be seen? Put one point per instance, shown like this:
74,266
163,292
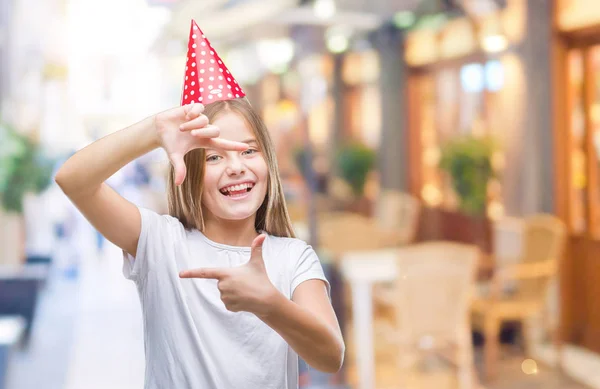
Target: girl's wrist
153,129
272,305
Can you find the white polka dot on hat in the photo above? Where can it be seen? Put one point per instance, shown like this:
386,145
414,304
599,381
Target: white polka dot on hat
201,55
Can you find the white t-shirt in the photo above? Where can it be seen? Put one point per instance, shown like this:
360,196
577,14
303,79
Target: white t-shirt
190,339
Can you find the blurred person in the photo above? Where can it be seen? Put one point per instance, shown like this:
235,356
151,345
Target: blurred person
229,297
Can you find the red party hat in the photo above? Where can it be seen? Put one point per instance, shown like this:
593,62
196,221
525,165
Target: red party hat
207,79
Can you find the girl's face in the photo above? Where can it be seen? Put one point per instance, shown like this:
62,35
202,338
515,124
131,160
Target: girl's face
235,182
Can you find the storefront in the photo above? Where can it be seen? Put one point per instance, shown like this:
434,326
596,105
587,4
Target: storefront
466,78
577,153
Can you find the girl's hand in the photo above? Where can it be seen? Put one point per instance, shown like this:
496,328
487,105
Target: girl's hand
183,129
243,288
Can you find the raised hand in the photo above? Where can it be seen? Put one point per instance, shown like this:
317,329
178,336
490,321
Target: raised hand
243,288
183,129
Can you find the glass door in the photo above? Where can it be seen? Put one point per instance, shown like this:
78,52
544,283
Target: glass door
593,138
584,144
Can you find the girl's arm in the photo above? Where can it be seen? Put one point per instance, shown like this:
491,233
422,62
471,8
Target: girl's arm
309,325
82,177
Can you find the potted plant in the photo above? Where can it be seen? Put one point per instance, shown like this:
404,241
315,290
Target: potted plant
354,163
24,169
468,161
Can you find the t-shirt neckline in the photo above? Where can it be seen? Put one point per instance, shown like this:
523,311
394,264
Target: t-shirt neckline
225,246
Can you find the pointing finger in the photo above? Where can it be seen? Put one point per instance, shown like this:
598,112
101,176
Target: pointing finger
209,273
228,144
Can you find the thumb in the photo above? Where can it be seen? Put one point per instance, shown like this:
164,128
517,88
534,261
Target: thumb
257,245
187,108
179,167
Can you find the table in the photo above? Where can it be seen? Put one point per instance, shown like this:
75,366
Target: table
362,270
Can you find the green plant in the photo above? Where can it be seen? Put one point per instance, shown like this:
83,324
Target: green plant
468,162
354,162
24,168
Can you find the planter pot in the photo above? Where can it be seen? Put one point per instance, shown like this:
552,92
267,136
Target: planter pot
362,206
12,239
441,224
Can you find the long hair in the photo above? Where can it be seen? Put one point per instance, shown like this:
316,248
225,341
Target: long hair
185,200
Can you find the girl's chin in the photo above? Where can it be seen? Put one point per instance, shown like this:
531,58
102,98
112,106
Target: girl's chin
238,211
237,216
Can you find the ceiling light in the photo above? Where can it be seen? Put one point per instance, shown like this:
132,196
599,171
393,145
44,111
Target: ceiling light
495,43
337,38
337,43
324,9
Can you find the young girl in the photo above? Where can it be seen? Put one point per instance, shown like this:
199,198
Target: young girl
229,297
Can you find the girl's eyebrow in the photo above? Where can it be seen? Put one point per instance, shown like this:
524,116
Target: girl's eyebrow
251,140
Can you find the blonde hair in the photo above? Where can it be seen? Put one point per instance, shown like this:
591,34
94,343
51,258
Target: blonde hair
185,200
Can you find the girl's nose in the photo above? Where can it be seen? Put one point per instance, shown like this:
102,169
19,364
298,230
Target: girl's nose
235,166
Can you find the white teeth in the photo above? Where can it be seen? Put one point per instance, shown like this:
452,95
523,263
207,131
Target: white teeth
235,188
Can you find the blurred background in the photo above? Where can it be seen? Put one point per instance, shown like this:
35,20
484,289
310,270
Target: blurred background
442,156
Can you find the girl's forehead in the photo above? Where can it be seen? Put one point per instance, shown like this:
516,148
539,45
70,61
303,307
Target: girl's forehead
233,127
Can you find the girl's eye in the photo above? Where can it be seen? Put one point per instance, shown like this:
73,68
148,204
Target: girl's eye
249,151
212,158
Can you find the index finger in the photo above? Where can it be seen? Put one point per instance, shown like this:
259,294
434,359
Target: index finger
216,274
225,144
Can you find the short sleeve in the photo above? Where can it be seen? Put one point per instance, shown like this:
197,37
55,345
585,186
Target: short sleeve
308,267
156,237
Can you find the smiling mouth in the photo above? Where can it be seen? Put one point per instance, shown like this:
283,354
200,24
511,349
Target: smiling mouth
237,190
